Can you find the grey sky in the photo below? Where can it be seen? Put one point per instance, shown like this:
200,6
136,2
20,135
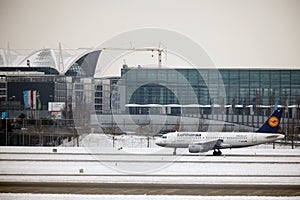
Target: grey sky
233,32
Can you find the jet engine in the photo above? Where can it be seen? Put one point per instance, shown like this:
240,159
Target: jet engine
195,148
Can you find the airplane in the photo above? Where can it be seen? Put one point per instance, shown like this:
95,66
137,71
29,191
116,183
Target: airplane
199,142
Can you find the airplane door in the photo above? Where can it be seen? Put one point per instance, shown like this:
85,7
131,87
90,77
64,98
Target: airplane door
254,138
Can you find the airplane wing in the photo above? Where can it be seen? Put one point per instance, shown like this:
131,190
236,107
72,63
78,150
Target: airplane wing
207,146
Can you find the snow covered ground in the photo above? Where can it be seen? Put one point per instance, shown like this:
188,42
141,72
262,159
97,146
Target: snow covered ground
149,165
130,161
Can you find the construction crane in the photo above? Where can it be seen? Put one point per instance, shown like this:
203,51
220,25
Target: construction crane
159,51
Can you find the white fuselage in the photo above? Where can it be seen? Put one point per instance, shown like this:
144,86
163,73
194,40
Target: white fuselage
229,139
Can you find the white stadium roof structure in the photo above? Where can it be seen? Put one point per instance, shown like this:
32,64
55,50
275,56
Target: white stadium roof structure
79,62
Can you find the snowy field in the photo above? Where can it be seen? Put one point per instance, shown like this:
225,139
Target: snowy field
149,165
96,161
136,165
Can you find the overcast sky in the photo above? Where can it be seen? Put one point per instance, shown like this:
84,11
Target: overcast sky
233,32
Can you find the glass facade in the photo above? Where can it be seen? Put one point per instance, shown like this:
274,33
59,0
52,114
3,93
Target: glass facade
85,66
243,87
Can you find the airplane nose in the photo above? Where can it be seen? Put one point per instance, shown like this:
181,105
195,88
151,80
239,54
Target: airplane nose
159,142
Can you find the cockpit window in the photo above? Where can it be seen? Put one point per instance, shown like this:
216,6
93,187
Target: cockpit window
164,137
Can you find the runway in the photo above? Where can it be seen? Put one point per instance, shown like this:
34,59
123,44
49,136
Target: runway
148,171
149,189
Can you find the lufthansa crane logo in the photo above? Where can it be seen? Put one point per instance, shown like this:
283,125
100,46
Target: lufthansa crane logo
273,121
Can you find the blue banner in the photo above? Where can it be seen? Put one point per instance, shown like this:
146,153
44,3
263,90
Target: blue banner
4,115
26,98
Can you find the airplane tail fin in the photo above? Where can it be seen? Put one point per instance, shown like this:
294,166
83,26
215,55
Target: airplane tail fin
272,123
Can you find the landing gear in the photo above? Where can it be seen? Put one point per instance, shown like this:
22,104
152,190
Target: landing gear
174,152
217,153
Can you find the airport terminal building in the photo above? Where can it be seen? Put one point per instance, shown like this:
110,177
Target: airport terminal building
237,90
246,90
238,95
